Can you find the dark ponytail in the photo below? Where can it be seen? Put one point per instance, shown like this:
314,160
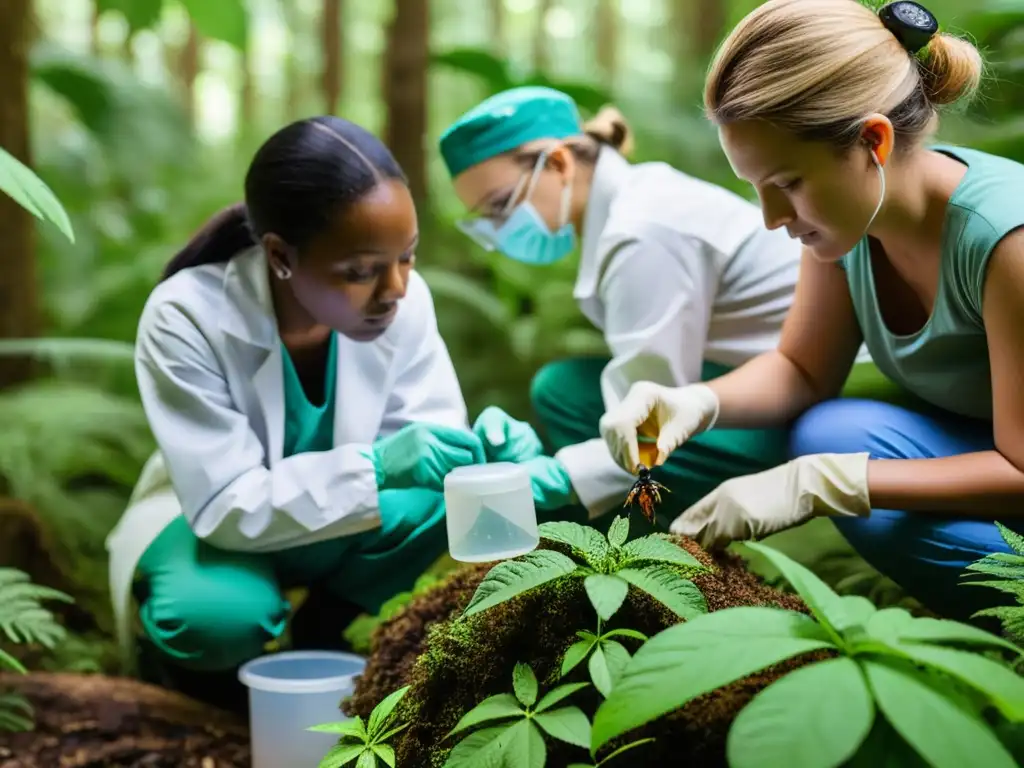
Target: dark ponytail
296,183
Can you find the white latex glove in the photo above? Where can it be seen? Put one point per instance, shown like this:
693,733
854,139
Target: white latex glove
754,506
672,415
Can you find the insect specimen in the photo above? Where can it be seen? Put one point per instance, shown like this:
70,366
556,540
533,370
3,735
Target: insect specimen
646,492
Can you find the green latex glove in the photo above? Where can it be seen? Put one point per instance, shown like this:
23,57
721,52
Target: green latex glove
552,488
505,438
420,455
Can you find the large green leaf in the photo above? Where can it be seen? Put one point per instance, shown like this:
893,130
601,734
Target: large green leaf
30,192
524,683
824,603
936,722
657,549
513,577
225,20
696,657
383,713
675,592
586,543
479,62
568,724
606,593
341,754
497,707
482,749
815,717
928,630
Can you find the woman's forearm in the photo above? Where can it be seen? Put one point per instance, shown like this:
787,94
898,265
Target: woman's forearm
982,485
768,391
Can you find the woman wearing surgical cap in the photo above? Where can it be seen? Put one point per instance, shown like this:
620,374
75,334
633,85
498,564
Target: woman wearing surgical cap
680,275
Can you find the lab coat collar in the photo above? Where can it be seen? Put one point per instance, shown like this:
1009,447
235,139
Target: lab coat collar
610,173
249,310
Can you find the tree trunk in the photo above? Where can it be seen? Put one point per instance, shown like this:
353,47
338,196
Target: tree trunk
333,55
707,21
607,22
18,307
93,721
498,43
541,51
189,68
405,90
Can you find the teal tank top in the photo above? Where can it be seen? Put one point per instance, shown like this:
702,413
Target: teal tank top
946,362
309,427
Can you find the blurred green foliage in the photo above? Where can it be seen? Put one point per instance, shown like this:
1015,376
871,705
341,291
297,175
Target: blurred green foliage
139,169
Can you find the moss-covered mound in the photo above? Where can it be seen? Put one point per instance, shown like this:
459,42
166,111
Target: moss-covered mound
453,665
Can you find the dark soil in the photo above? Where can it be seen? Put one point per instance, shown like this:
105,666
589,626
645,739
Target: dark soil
453,667
93,721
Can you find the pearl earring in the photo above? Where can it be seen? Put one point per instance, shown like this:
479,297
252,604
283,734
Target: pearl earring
283,273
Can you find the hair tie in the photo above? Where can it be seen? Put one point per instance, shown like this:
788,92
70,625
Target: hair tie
912,24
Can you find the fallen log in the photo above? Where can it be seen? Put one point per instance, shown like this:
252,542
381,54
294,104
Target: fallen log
95,721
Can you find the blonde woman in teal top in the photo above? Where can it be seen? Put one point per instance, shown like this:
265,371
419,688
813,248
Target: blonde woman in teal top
826,108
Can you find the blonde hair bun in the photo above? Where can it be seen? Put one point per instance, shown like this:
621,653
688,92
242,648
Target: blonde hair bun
609,127
951,70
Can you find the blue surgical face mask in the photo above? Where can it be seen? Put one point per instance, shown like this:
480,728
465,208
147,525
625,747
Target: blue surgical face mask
523,234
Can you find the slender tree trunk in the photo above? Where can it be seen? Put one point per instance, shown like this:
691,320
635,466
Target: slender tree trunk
607,38
333,54
497,16
18,290
707,19
541,49
405,90
189,68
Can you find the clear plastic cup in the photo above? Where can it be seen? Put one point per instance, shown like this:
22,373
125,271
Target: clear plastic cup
288,693
490,513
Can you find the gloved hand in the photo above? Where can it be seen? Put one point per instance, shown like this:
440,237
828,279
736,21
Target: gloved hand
672,415
505,438
552,488
754,506
419,455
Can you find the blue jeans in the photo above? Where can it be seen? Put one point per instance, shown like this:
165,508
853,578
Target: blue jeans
925,554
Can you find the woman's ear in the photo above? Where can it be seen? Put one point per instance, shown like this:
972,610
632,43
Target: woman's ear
561,159
279,255
878,134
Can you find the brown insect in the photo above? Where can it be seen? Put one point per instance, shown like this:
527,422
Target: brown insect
646,492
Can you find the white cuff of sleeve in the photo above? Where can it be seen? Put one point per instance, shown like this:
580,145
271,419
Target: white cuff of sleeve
600,483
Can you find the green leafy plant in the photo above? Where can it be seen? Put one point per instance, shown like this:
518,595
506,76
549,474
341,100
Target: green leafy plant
608,567
365,743
23,619
607,656
21,184
919,673
1008,570
524,721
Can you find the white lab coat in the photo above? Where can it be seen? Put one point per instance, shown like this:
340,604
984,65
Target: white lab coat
675,271
209,369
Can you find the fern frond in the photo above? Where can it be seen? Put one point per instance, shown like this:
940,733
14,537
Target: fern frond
15,713
992,567
22,616
1012,618
1013,540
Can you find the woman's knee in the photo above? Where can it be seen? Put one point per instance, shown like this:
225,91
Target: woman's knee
566,386
213,621
854,426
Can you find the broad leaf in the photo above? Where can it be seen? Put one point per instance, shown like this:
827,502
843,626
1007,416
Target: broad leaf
887,624
1001,684
675,592
618,531
495,707
524,683
585,542
576,653
655,548
567,724
698,656
482,749
366,759
858,611
825,604
341,754
225,20
385,753
353,728
606,593
555,695
935,722
381,715
814,717
513,577
928,630
600,673
627,633
885,748
30,192
616,657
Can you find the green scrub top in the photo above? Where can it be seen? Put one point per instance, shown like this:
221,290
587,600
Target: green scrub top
309,427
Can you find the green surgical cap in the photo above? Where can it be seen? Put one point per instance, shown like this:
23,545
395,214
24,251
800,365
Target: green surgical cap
508,120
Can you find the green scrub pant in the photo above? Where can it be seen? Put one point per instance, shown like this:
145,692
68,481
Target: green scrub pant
566,397
209,609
